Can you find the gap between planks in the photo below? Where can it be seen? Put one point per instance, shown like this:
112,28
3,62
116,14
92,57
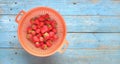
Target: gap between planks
93,32
73,15
114,48
72,32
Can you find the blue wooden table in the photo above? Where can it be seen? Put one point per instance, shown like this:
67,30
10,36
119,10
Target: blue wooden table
93,32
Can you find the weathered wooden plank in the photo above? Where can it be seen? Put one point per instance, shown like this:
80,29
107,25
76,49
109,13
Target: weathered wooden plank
71,7
76,56
76,40
74,23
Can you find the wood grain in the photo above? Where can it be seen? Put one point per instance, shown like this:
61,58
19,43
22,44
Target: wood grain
76,40
71,7
93,32
76,56
73,23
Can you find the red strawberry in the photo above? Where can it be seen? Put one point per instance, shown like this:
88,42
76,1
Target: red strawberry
53,23
41,39
29,36
38,26
37,30
46,16
54,30
41,18
47,22
36,21
49,27
52,39
35,39
34,26
33,32
41,24
44,29
44,47
48,43
39,35
37,44
41,43
29,30
46,35
51,34
32,21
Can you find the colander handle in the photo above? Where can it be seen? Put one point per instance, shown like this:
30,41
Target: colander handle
18,16
62,50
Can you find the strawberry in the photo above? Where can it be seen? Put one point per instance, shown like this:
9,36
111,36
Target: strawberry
34,27
33,32
37,30
46,35
29,30
37,44
38,35
47,22
49,27
41,43
36,21
51,34
44,47
29,36
41,18
44,29
52,39
38,26
32,21
46,16
41,24
54,30
35,39
41,39
53,23
48,43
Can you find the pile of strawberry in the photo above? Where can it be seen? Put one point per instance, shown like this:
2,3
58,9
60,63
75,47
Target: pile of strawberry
42,31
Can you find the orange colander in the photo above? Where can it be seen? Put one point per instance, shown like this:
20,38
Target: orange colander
23,19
